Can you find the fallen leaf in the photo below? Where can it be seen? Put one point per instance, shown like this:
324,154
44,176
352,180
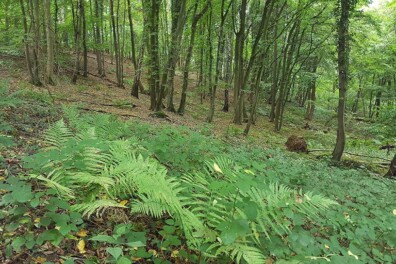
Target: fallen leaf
82,233
217,168
152,252
124,202
81,246
40,260
175,253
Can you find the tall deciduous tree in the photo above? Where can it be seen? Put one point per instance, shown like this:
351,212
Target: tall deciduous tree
345,7
49,76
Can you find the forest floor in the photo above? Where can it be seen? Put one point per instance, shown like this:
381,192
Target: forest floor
363,195
102,95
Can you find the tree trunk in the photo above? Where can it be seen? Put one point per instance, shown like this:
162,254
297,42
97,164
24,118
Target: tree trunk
152,8
238,64
84,40
219,59
49,76
35,21
98,38
196,18
392,169
343,63
116,43
178,20
77,16
26,44
312,90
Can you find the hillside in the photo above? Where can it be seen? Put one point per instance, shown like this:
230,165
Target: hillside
359,227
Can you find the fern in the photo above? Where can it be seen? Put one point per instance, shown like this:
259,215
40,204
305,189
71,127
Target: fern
57,135
87,209
220,195
222,208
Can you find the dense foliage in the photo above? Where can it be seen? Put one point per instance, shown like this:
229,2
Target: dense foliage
224,202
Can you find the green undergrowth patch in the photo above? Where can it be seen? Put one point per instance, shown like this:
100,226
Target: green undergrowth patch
108,191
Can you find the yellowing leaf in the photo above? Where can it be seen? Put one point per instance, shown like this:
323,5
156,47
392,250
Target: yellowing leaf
57,227
327,247
152,252
37,220
82,233
135,259
124,202
217,168
40,260
249,172
81,246
175,253
394,212
2,178
353,255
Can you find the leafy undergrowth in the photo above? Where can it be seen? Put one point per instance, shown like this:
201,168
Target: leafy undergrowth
95,189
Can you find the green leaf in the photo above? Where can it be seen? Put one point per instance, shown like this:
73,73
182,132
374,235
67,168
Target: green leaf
104,238
35,202
232,230
116,252
124,260
22,193
17,243
136,239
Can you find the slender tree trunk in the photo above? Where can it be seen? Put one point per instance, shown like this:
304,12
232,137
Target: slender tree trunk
312,90
49,76
238,63
343,62
219,58
77,38
98,39
84,41
274,86
35,21
33,79
132,33
228,74
116,43
392,168
196,18
178,20
152,8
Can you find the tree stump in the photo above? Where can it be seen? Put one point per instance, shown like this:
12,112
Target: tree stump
296,144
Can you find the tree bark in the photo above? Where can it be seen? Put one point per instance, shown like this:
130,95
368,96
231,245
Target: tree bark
49,76
116,43
26,44
392,169
196,18
219,59
343,63
178,20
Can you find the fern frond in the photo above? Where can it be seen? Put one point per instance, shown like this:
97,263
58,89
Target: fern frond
57,135
61,189
87,209
89,179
